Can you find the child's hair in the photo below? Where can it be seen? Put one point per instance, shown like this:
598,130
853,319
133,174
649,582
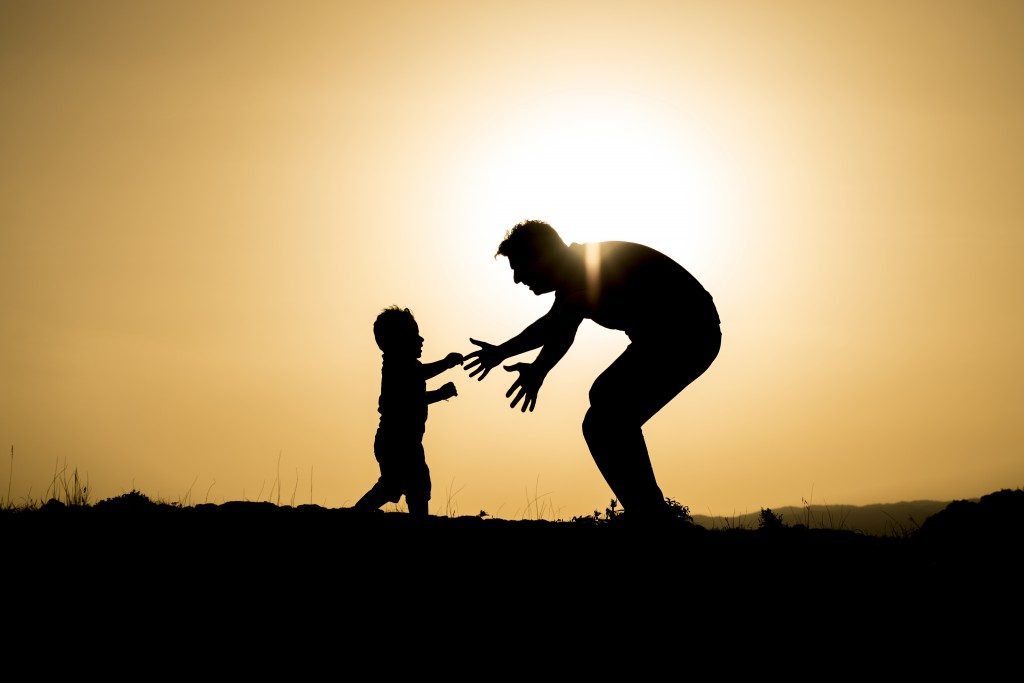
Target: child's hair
389,325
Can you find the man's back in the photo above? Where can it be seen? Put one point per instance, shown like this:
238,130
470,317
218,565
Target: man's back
637,289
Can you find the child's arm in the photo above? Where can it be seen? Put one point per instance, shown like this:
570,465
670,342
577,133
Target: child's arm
446,392
439,366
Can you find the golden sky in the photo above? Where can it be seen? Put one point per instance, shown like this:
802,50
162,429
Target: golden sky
203,206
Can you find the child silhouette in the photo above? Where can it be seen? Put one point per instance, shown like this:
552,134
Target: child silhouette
398,445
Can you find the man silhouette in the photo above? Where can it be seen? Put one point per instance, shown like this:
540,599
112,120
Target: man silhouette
669,317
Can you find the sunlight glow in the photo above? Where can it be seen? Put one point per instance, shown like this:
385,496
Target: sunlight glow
603,166
592,263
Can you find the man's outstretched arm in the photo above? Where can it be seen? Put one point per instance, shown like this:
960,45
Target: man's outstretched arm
539,333
532,375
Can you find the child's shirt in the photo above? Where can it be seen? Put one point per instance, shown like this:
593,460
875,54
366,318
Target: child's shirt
403,397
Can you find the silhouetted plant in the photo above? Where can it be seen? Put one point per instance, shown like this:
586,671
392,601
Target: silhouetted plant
451,507
131,500
769,521
539,506
7,501
897,530
612,513
730,522
69,491
679,511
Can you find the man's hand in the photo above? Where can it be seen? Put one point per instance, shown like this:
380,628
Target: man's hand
528,384
483,360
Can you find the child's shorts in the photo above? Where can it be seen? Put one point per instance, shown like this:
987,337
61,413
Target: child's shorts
403,467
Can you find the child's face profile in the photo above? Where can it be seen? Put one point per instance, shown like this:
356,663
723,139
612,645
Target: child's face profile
407,340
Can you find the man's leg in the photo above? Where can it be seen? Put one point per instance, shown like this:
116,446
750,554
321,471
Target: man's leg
624,397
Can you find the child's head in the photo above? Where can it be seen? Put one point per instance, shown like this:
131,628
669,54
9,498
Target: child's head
397,333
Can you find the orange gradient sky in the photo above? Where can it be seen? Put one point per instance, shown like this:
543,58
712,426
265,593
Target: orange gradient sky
204,205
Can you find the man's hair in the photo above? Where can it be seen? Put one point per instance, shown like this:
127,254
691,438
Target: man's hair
530,238
390,323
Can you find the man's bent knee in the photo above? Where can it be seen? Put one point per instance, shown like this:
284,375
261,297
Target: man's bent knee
592,424
602,423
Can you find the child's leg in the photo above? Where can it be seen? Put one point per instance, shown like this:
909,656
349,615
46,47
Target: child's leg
374,498
417,492
388,487
417,506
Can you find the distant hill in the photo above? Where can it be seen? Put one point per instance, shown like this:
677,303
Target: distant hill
879,519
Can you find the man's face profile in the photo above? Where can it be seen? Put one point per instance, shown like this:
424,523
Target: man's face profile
530,270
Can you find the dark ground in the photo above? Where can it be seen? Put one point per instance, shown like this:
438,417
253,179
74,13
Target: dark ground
967,536
258,561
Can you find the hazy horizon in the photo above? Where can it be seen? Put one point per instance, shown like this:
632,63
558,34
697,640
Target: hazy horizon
204,206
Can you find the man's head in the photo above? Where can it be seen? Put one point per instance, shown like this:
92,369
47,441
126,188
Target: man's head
397,333
536,254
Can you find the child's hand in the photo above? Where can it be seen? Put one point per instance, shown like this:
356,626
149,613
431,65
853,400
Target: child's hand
448,390
453,359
